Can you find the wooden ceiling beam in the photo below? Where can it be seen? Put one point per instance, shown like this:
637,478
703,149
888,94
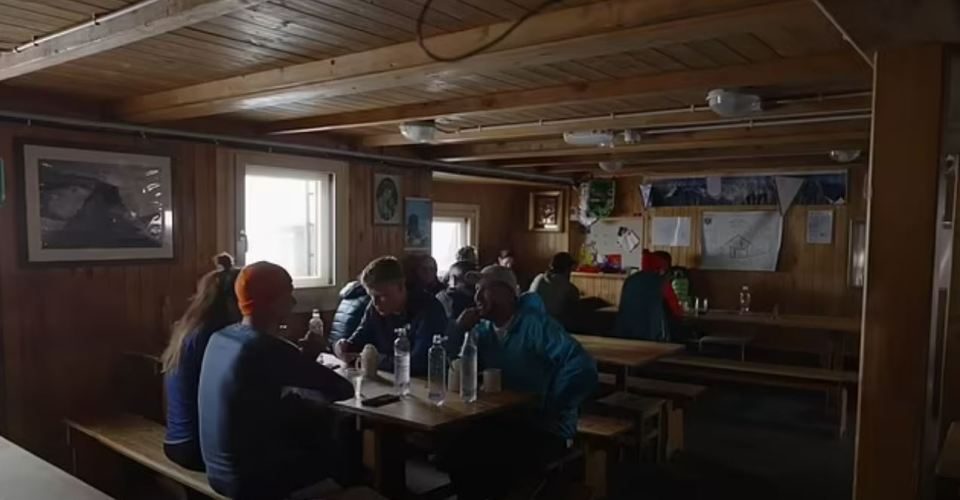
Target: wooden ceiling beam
713,168
834,68
818,134
809,108
123,27
578,32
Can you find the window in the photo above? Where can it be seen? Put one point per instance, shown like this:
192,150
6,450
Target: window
287,221
454,226
289,212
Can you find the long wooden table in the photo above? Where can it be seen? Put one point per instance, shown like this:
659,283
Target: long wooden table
625,353
836,328
24,476
416,413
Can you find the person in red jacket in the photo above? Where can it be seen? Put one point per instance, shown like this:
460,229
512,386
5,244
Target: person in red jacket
660,262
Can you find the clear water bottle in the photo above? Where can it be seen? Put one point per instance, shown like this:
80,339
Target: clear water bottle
745,298
315,326
437,371
401,362
468,369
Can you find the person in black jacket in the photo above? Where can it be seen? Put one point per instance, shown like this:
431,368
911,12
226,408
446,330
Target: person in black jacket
353,303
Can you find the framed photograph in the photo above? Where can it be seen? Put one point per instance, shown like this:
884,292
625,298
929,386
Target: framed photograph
546,211
87,205
419,227
386,199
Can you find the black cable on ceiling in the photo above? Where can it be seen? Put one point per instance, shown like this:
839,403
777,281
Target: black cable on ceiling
472,52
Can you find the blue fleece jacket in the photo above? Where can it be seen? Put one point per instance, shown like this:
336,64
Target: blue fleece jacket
537,356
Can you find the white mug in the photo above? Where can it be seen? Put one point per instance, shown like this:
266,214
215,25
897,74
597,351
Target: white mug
369,360
491,380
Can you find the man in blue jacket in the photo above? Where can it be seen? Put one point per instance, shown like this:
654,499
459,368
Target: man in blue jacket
394,305
536,356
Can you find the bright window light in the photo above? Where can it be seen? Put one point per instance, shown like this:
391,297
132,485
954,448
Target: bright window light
288,218
449,234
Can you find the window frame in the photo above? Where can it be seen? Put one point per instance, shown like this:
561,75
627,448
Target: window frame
309,292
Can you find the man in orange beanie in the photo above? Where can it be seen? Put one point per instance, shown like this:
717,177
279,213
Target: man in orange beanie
256,442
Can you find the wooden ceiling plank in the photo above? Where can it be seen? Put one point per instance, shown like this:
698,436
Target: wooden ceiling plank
842,66
135,25
555,36
793,110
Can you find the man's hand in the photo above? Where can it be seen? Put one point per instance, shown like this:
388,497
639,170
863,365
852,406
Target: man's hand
468,319
341,348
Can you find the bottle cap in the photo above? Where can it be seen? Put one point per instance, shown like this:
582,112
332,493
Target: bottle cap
437,339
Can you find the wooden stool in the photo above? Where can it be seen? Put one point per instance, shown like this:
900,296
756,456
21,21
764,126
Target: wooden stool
738,341
600,437
650,420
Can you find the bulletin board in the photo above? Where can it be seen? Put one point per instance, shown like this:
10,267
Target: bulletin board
609,235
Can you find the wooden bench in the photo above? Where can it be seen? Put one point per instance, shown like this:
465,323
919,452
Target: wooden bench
800,377
600,437
649,416
141,441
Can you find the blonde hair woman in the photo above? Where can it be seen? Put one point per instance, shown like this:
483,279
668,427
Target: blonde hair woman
212,308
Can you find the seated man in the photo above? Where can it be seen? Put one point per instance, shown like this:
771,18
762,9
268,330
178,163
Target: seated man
350,310
256,443
559,295
537,357
648,305
456,298
395,305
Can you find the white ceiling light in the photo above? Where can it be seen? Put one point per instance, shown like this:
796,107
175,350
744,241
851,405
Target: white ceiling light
589,138
845,155
611,165
420,132
730,103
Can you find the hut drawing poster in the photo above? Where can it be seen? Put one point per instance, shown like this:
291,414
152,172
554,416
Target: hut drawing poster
742,241
419,223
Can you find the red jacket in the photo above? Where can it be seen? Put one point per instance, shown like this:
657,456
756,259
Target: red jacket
653,262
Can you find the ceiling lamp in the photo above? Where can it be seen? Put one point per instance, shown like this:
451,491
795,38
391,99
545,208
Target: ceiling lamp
731,104
845,155
600,138
420,132
611,166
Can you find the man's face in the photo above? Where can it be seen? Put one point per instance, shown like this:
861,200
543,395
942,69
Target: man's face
505,261
490,297
389,298
428,271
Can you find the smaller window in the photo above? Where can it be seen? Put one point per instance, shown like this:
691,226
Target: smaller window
454,226
287,220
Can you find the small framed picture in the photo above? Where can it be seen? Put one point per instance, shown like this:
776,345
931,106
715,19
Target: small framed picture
386,200
89,205
419,227
546,211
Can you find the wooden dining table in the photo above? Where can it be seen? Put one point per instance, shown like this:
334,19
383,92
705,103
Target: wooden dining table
838,329
625,353
414,413
25,476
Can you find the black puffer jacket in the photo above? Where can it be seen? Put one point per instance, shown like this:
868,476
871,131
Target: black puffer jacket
353,303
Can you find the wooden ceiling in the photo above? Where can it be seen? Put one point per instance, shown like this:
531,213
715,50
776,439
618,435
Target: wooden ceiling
351,69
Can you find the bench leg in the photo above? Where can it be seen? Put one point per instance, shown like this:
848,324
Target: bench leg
843,412
674,431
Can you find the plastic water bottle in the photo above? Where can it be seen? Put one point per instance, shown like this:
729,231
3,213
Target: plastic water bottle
437,371
468,369
745,299
315,326
401,362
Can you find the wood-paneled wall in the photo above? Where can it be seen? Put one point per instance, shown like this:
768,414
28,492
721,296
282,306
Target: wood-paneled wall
63,326
809,278
504,223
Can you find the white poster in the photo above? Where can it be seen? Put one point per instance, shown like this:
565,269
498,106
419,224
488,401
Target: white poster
671,231
741,241
820,227
787,189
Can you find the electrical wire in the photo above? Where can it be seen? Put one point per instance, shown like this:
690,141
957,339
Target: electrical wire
472,52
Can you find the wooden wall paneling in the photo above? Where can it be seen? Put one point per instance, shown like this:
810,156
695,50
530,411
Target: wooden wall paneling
904,172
